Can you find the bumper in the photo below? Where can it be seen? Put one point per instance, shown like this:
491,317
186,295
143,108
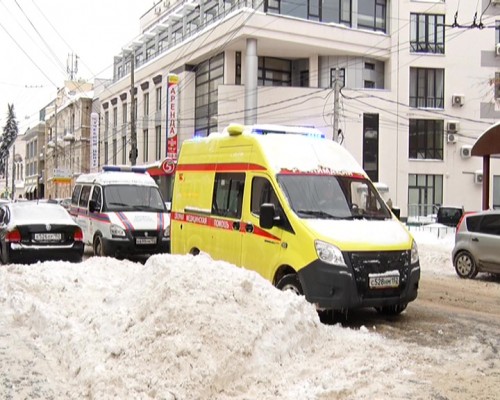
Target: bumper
340,288
127,246
20,253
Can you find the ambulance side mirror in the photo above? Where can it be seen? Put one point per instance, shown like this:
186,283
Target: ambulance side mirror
268,216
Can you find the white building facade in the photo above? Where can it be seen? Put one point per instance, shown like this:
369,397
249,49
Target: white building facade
406,86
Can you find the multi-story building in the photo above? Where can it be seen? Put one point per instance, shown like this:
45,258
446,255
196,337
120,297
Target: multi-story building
67,137
34,162
406,86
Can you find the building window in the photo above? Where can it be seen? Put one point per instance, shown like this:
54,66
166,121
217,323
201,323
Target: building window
497,32
426,139
124,150
158,98
427,33
341,75
106,122
209,75
124,115
370,145
158,153
237,78
274,72
115,117
145,101
115,151
427,88
372,14
145,146
338,11
369,84
106,153
424,193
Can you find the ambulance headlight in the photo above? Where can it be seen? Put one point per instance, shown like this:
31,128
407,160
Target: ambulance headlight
117,230
414,253
329,253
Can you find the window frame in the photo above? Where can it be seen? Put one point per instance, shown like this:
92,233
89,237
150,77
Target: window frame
420,133
427,41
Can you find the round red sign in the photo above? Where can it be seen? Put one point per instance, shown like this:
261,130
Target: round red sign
168,166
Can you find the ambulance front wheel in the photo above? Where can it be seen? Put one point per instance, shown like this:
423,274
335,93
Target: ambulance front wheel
98,246
290,282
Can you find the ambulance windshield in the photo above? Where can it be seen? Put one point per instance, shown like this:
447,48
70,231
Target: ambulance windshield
133,198
333,197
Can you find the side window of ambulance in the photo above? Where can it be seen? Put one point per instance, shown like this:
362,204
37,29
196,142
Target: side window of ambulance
262,192
84,198
76,194
97,197
228,194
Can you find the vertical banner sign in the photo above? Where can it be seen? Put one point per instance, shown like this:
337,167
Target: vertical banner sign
172,90
94,142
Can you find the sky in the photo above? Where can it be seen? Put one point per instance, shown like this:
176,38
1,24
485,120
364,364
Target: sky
184,327
37,38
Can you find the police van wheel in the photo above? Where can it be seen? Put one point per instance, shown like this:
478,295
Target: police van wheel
290,282
98,246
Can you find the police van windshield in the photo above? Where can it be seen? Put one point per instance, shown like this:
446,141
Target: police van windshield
333,197
133,198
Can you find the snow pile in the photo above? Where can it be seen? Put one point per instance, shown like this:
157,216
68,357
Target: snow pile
182,327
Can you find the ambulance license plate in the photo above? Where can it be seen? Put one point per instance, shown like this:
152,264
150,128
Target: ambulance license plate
145,240
47,237
381,281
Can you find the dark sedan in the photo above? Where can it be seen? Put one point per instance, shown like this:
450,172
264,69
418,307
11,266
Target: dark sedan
34,231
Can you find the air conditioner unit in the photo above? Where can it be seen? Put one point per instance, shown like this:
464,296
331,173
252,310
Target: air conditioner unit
451,138
466,151
478,177
497,49
458,100
452,126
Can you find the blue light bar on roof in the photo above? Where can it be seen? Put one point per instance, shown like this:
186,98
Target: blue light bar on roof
309,132
124,168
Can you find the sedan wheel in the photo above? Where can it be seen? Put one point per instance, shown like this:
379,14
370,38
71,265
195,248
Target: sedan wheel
465,266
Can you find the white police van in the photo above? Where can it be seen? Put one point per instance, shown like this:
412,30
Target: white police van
121,212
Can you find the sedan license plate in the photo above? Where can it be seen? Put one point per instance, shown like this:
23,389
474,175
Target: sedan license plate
145,240
47,237
381,281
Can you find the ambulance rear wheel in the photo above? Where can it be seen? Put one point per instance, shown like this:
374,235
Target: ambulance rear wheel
98,246
290,282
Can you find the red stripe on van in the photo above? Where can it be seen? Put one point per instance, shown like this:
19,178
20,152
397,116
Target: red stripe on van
219,223
229,167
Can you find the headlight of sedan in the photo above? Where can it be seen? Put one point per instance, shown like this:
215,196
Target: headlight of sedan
117,231
329,253
166,232
414,253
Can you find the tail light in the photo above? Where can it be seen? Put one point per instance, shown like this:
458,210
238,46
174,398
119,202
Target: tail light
78,236
13,236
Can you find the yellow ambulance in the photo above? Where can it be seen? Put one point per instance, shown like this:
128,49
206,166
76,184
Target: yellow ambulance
298,209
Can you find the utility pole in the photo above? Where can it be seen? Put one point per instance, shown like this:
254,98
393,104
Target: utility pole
55,150
6,162
336,104
133,133
13,170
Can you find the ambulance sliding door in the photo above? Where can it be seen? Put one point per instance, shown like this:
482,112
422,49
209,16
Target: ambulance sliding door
226,217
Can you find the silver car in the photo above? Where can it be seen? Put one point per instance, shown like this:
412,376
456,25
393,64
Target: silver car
477,244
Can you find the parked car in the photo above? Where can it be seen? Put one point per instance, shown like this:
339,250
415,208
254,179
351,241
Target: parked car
449,215
34,231
477,241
